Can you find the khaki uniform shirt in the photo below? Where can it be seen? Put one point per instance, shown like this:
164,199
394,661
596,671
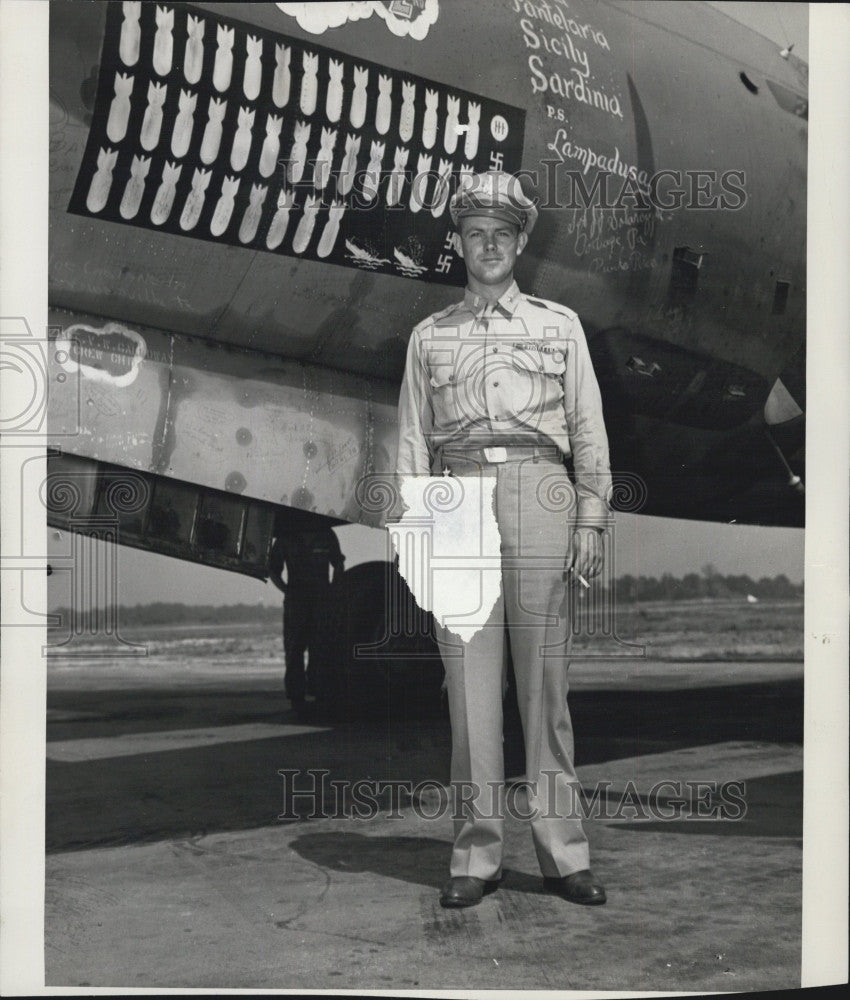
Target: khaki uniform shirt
517,372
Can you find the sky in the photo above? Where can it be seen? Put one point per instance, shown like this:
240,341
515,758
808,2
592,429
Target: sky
646,546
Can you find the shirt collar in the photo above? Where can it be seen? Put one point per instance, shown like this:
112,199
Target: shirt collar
505,306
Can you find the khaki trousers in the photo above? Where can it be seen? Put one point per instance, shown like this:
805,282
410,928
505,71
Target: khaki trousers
535,511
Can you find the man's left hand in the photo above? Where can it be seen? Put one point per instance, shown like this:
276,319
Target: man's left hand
586,553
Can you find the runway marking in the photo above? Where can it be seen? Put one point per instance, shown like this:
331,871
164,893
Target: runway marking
136,744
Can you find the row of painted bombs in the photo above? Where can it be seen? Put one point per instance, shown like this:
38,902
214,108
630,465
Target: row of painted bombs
281,84
119,114
163,203
297,160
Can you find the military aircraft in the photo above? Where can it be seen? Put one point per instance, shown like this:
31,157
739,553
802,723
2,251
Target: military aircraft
248,214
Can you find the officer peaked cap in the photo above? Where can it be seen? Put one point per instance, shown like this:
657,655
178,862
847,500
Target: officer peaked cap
493,193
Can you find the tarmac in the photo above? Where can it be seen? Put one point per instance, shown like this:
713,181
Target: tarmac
169,864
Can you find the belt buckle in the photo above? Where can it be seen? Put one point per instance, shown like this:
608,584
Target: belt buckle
496,455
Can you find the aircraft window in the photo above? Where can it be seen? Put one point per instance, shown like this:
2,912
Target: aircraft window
71,488
220,523
159,514
173,512
125,495
748,83
258,533
780,297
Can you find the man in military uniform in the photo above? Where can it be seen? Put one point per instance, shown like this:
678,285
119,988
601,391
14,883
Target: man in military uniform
312,561
501,384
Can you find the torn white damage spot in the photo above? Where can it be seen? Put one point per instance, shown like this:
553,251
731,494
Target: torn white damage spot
112,354
449,548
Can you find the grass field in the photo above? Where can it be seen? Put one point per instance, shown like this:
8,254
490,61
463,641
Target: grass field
727,629
714,630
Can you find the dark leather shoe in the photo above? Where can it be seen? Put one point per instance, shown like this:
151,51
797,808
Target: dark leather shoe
577,888
466,890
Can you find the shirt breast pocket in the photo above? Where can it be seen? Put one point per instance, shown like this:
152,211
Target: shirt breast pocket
451,396
553,363
442,376
539,379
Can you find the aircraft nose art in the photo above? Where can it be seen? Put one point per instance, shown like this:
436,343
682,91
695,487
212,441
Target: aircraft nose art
206,128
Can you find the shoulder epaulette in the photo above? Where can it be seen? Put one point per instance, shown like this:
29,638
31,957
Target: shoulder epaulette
443,314
554,307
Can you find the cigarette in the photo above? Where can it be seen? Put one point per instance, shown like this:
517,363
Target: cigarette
583,582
